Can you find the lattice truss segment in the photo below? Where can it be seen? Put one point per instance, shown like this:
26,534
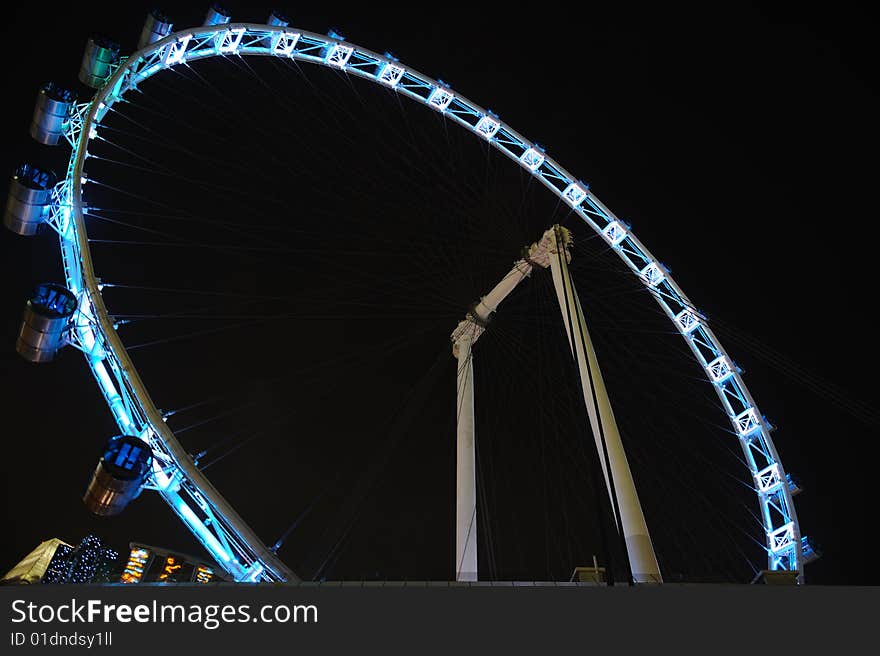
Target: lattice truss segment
284,43
391,74
74,122
720,369
441,98
747,422
228,42
782,540
338,55
769,479
532,158
652,275
575,194
174,52
488,126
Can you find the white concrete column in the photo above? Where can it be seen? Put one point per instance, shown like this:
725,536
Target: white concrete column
466,481
490,302
463,339
635,531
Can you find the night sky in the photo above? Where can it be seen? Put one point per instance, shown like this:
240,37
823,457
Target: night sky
739,142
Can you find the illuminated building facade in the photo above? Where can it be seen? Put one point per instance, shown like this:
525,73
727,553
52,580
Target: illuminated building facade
57,562
153,565
34,566
91,561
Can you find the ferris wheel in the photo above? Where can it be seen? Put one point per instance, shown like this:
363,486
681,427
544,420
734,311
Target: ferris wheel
148,455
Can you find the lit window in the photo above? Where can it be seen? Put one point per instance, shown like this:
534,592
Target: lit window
169,569
134,569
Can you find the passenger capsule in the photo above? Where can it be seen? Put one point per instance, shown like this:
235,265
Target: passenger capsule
156,28
46,318
119,476
101,53
810,550
278,19
54,107
794,485
30,199
217,15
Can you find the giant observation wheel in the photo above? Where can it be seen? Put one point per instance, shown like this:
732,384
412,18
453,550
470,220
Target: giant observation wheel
170,470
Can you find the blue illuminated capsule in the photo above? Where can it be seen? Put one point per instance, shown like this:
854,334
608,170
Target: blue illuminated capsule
156,28
100,55
46,319
811,551
217,15
119,476
53,108
277,19
30,198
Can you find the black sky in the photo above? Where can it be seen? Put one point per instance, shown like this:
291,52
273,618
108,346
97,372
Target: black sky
739,141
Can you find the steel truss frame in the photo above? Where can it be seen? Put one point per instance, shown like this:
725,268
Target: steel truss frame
213,521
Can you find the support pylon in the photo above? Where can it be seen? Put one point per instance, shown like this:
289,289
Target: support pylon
619,482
